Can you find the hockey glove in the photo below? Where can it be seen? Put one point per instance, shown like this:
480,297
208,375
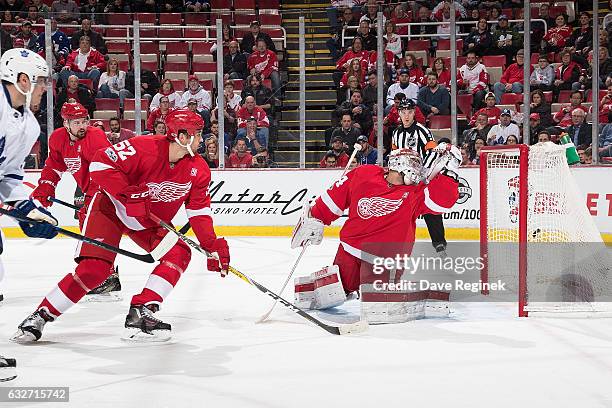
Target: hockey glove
30,209
137,201
447,162
309,230
42,193
220,263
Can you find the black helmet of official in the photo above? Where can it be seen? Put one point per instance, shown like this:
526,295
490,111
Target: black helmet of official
406,104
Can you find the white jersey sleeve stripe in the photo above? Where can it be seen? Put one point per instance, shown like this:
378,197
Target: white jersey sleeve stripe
99,166
327,200
432,205
195,213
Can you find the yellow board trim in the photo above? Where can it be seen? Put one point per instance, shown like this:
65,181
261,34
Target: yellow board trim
452,234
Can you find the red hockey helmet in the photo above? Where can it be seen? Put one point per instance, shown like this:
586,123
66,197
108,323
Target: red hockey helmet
183,120
74,111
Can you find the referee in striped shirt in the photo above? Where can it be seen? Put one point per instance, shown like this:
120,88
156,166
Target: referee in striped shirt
412,135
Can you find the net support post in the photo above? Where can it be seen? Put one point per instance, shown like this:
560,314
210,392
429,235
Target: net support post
453,94
302,113
220,96
49,58
137,79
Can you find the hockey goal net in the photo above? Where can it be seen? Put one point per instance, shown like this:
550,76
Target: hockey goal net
537,234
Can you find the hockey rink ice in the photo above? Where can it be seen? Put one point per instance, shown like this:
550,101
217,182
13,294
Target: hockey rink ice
482,356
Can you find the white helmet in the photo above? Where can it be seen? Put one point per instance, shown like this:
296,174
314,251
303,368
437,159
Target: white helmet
408,163
21,61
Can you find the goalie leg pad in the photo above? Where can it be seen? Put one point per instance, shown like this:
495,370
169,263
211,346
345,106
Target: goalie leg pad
304,292
380,307
328,290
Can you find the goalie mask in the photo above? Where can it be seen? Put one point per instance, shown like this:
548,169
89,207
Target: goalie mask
408,163
184,121
21,61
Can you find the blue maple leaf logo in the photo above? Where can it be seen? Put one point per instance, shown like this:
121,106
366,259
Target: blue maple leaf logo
24,53
2,144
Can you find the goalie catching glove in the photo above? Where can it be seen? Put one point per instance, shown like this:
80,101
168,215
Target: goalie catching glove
309,230
447,162
34,210
220,260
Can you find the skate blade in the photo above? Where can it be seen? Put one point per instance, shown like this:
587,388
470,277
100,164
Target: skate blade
104,297
8,374
22,337
138,336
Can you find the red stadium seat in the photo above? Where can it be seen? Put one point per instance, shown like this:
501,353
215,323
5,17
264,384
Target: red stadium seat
196,19
195,33
130,104
146,18
119,18
440,122
219,4
148,33
207,84
418,45
149,48
444,44
107,104
225,17
268,4
152,66
511,98
275,33
178,84
170,33
238,84
131,124
564,96
124,66
118,47
177,48
589,94
244,4
170,18
271,20
204,67
201,47
244,19
464,103
548,96
494,60
177,66
87,82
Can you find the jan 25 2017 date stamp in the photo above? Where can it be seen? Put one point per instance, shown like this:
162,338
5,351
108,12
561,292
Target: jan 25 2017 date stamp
34,394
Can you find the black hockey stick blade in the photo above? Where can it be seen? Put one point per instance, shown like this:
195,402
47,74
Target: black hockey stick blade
148,258
337,330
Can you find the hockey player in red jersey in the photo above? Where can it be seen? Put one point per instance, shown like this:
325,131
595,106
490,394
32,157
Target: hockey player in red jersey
139,177
71,149
382,208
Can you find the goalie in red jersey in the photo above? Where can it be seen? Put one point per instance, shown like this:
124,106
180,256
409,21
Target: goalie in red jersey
382,208
139,177
71,149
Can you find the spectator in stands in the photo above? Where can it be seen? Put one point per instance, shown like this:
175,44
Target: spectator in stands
535,127
232,104
84,62
511,140
6,41
555,38
117,6
347,131
171,6
410,90
14,6
112,81
443,73
116,133
563,118
361,114
262,94
543,136
543,75
227,36
462,12
419,31
566,74
8,20
159,113
214,132
95,38
605,107
415,72
334,42
400,17
240,158
65,11
25,38
499,133
61,43
370,91
367,35
579,131
493,14
480,128
99,125
249,41
605,142
41,7
443,15
394,42
474,149
367,154
506,39
356,51
234,63
166,89
338,150
250,110
196,91
371,16
263,61
329,160
493,112
433,99
392,119
356,71
197,6
512,78
210,152
580,41
539,105
342,7
34,16
480,39
80,93
149,84
159,128
585,80
473,78
93,10
262,159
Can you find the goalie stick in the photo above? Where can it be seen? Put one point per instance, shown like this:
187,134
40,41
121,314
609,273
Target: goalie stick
337,330
356,149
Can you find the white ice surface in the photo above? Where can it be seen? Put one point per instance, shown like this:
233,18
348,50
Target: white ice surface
483,356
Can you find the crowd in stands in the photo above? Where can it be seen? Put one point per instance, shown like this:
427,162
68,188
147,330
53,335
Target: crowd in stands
490,60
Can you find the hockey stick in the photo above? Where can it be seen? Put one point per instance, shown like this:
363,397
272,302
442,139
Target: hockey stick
356,149
148,258
338,330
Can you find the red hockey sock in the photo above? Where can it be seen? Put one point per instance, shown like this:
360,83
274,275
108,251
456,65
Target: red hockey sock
159,285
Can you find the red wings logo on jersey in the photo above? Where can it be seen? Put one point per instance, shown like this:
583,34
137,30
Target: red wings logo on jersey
168,191
377,206
73,164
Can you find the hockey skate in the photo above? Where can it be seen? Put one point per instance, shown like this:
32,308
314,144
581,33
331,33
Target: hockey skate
31,328
108,291
8,369
142,326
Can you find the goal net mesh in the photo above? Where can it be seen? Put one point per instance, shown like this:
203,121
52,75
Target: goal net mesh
567,266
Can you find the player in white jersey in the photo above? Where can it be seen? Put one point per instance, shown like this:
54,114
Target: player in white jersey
24,78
